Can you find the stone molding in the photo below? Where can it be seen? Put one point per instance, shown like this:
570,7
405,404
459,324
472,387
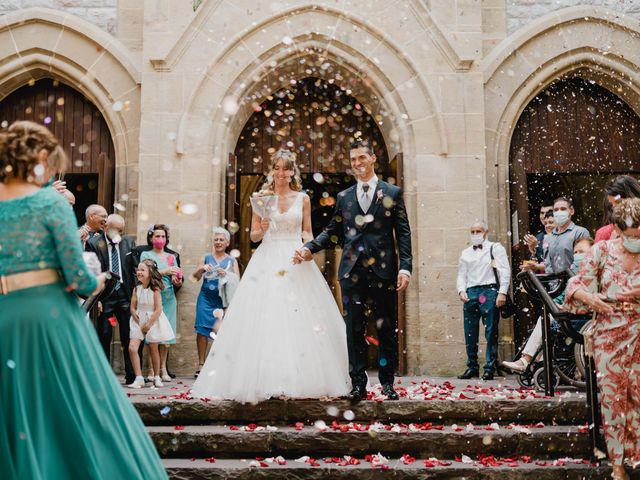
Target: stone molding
40,42
445,44
526,62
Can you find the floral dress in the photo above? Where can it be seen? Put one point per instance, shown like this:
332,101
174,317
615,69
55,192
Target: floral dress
616,348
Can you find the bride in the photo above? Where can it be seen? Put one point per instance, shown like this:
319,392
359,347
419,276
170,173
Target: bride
283,334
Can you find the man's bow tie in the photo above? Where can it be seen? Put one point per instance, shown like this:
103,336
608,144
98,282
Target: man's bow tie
476,247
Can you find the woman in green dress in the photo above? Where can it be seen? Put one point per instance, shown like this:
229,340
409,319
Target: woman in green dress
63,415
157,238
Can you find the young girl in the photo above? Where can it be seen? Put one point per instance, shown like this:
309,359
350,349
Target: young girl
213,267
148,321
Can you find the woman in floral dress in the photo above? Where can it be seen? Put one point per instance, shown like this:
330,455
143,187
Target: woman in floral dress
609,283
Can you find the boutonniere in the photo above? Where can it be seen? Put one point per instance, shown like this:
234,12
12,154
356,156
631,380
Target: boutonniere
379,196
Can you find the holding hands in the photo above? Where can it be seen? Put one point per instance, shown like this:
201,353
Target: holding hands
302,255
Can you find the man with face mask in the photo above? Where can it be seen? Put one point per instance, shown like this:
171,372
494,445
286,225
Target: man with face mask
559,254
580,250
114,251
482,296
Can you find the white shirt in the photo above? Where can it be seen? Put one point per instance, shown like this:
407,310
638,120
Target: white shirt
110,247
474,267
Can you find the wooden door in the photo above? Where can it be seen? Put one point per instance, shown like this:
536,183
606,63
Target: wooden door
80,128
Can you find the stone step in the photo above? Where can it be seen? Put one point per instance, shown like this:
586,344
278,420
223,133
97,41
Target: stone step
569,409
229,442
233,469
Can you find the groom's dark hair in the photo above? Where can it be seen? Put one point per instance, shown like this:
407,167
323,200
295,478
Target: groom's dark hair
362,144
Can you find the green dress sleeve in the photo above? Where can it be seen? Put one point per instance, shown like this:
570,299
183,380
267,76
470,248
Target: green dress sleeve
63,229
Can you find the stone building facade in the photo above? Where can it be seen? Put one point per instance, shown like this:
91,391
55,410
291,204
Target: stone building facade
446,80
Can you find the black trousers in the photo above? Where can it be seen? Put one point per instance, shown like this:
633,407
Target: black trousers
120,310
364,291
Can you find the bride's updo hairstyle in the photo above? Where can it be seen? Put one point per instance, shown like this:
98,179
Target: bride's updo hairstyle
289,162
20,145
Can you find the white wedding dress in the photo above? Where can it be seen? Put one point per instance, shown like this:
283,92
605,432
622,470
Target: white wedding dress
283,334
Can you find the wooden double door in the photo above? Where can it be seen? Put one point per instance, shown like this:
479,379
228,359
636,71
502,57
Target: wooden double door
80,128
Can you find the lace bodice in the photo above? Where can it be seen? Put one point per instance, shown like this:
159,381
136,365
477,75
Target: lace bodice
287,225
39,231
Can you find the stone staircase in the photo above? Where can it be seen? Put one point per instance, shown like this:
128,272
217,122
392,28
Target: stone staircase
438,430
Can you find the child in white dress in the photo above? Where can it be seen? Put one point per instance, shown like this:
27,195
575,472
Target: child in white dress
148,321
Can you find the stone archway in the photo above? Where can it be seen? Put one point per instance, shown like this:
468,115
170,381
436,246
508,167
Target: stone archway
46,43
531,59
527,62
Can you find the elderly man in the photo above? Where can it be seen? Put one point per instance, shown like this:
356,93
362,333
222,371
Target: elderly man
115,254
483,283
95,221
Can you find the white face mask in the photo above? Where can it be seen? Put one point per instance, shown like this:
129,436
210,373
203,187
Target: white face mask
477,239
562,217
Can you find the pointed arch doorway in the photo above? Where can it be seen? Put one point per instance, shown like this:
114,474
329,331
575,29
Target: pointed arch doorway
80,128
571,139
318,120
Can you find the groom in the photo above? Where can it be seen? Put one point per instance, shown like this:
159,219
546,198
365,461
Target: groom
366,217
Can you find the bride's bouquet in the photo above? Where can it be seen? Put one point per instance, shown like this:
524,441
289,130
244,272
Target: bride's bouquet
264,204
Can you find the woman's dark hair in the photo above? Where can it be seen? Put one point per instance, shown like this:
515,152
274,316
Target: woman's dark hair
157,226
624,186
548,214
627,214
607,209
155,279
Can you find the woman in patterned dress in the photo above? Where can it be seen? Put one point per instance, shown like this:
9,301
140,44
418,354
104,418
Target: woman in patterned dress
609,283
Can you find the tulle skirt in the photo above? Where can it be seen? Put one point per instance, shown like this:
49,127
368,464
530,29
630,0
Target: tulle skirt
283,334
63,414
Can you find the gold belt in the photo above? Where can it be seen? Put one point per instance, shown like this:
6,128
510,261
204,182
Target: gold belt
33,278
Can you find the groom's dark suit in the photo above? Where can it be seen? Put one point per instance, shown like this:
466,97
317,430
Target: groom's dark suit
368,271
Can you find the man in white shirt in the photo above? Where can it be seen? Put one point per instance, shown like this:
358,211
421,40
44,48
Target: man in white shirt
482,294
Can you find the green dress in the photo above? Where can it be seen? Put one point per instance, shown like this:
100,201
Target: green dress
169,302
63,414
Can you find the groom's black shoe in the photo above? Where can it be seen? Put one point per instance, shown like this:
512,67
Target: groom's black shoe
358,393
469,373
391,394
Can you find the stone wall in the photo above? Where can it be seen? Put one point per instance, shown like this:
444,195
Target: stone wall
102,13
522,12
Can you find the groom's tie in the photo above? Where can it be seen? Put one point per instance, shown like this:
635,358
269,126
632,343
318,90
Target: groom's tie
365,201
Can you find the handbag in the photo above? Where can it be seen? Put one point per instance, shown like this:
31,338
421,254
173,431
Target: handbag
509,308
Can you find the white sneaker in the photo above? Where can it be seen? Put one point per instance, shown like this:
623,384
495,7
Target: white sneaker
519,365
157,382
137,383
